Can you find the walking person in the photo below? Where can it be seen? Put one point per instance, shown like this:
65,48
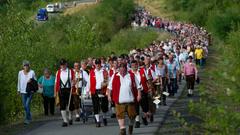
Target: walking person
142,77
190,73
97,84
150,69
113,69
63,88
126,91
162,72
173,71
24,77
47,82
198,55
81,78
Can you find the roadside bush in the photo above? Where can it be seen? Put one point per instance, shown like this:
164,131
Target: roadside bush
126,40
219,102
43,44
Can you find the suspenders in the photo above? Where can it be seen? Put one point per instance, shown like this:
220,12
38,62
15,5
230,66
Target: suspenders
67,83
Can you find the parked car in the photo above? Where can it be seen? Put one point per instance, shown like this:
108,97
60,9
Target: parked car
51,8
42,14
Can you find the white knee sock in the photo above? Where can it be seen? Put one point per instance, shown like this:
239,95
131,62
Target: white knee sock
78,113
189,91
64,116
97,117
137,118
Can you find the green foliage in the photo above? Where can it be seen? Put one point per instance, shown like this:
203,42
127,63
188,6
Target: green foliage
219,16
128,39
220,97
43,44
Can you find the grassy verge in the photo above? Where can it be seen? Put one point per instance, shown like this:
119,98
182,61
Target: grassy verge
218,107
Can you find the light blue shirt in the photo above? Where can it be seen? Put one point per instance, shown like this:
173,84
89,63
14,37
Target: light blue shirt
48,85
172,69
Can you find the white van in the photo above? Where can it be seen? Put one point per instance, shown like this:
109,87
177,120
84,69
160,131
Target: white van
50,8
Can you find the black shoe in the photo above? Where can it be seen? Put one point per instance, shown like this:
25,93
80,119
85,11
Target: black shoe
164,103
70,122
64,124
98,124
188,95
105,122
130,130
137,124
145,122
151,118
77,119
82,115
113,115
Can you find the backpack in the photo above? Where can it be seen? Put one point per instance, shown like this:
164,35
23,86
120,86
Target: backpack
32,86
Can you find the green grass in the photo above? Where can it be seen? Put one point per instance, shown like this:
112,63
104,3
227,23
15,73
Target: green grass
96,31
219,90
220,97
43,45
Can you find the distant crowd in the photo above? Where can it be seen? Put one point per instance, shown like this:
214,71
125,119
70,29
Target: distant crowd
144,78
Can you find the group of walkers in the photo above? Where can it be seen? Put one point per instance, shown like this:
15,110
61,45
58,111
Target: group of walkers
144,78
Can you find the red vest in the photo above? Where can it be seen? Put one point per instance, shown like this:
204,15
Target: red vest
150,73
58,77
93,80
143,80
116,87
111,72
153,66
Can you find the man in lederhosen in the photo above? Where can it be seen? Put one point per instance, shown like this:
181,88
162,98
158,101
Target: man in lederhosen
97,86
125,91
113,69
81,78
64,82
142,77
150,69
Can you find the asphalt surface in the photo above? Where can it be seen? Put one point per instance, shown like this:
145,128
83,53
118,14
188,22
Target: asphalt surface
54,127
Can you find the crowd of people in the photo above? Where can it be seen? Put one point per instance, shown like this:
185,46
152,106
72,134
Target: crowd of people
144,78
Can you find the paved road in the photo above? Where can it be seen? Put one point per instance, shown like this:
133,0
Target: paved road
69,4
173,125
54,127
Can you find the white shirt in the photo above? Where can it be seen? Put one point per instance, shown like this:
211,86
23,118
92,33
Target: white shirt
154,76
114,71
138,76
64,77
83,76
23,80
125,94
99,79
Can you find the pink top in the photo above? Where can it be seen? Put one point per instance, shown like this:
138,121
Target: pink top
190,69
